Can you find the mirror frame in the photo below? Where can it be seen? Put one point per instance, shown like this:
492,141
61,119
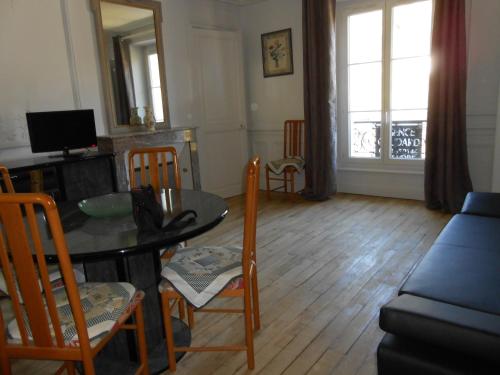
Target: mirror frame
155,6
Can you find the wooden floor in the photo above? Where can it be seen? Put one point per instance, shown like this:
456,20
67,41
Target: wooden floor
325,268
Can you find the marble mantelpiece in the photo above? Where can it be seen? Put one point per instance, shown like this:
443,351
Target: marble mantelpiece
120,143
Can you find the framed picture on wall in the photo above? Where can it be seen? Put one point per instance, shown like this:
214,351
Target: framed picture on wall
277,53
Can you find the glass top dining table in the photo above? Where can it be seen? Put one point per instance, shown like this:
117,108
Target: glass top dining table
115,236
111,249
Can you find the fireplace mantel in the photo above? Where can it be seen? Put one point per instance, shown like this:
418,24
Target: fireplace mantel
120,143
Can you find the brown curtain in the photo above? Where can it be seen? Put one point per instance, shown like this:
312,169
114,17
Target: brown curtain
447,178
319,98
125,95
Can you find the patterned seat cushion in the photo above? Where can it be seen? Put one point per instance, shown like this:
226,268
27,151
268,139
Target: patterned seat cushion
235,284
200,273
278,166
104,306
55,278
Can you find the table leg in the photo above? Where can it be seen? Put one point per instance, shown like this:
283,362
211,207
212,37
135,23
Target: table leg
142,271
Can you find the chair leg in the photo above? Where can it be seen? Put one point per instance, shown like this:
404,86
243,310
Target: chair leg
169,331
268,188
88,366
190,315
255,302
249,329
141,339
5,365
70,367
182,308
4,359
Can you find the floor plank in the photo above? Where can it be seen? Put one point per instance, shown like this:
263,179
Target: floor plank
325,268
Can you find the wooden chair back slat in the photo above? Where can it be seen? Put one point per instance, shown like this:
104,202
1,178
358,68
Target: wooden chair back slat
44,274
66,269
154,175
4,172
143,170
14,241
250,220
157,156
27,277
293,138
12,290
164,168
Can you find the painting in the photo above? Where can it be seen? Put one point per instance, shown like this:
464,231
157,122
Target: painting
277,53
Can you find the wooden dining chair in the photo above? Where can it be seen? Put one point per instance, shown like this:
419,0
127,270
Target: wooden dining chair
293,158
6,181
240,279
152,163
70,324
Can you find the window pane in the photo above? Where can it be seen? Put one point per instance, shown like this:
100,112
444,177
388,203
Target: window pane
408,132
410,83
157,104
411,29
365,37
365,87
154,71
364,128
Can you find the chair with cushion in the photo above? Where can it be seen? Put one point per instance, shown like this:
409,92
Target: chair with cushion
200,274
69,324
293,158
152,165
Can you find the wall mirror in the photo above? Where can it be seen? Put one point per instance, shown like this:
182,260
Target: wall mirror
132,61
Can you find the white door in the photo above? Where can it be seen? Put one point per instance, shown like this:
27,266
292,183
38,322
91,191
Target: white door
218,86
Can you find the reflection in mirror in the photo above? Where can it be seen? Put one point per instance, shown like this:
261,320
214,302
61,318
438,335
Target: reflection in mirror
132,58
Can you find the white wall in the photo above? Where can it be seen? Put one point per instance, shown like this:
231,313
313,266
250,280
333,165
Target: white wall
271,101
42,70
35,70
482,89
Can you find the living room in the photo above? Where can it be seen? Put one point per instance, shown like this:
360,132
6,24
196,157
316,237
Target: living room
326,266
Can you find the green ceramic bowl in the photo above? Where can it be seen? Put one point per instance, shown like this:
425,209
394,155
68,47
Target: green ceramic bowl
109,205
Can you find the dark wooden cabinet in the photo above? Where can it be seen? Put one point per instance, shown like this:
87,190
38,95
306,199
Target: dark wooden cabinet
66,179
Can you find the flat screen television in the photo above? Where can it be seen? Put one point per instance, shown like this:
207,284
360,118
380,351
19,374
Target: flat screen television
61,130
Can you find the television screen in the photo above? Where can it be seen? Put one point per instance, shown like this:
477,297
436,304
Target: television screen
61,130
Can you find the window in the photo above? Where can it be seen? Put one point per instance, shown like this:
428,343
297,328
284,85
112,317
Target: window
387,59
154,83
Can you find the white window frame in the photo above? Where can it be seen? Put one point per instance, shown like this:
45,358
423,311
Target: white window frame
150,50
385,163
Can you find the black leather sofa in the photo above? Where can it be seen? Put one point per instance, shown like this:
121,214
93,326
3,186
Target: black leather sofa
446,318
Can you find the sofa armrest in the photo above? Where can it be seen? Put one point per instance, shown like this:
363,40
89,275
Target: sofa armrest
444,325
482,204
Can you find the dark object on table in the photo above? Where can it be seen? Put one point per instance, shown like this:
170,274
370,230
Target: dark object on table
179,221
148,213
446,319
